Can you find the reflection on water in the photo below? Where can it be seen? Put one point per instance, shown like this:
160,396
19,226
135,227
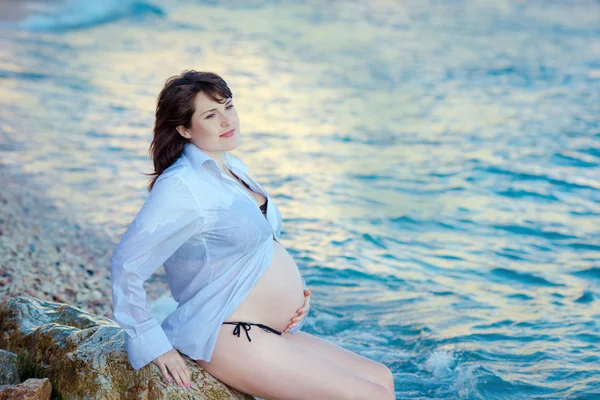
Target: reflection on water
436,165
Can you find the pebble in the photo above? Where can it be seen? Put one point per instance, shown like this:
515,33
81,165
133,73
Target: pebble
45,253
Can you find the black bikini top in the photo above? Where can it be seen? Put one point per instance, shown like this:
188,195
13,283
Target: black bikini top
263,208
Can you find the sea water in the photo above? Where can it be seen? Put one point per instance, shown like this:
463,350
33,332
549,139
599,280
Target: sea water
437,164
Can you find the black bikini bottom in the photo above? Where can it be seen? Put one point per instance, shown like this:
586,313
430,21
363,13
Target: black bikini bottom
247,327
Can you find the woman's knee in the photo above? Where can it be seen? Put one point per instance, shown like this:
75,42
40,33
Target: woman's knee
382,375
387,377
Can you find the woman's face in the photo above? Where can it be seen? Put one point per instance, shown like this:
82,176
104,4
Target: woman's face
209,122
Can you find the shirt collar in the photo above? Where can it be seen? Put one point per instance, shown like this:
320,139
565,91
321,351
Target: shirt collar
198,157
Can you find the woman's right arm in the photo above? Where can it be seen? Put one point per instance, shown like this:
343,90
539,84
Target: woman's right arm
168,218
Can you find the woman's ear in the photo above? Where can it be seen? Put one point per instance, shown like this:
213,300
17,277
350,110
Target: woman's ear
183,132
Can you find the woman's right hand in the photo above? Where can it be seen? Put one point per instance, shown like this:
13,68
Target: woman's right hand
172,363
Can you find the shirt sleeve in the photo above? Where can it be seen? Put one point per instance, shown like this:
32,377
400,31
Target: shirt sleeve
168,218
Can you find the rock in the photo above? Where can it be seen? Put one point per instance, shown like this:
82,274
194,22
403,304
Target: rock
84,356
9,370
31,389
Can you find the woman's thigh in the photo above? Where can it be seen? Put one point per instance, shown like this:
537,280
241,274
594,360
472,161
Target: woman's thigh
359,365
274,367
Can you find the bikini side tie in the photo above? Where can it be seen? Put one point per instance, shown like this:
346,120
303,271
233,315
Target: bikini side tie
247,327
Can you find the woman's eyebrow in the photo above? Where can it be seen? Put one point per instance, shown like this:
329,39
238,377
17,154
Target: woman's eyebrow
214,109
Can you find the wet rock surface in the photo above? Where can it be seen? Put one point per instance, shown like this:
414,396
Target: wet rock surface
84,356
31,389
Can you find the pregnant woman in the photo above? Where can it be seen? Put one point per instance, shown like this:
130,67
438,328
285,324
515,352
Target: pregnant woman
241,298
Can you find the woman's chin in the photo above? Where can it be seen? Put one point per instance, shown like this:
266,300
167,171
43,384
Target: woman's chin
230,143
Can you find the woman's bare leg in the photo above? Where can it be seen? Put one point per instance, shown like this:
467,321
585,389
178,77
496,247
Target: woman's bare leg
274,367
359,365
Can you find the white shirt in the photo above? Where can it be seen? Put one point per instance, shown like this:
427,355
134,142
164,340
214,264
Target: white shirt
215,244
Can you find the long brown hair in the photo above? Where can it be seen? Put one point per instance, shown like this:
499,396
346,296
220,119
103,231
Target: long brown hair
175,106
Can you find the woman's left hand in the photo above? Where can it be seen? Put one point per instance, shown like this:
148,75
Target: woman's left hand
301,311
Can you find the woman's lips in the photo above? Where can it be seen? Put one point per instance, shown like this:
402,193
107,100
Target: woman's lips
227,134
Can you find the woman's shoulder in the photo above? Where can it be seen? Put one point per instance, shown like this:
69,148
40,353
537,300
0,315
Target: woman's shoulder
181,171
182,182
178,167
175,181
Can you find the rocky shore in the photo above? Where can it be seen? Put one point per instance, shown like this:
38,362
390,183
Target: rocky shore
83,356
56,327
47,254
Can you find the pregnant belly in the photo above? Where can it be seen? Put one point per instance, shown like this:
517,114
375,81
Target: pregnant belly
277,295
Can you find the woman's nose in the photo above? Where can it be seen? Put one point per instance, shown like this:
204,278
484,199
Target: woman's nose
226,121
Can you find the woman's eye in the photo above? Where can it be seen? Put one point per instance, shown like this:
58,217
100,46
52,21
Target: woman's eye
212,115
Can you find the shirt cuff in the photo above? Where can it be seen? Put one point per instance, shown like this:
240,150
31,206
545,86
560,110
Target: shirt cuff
144,348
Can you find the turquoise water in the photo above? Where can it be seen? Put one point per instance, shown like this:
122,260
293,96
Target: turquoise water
437,164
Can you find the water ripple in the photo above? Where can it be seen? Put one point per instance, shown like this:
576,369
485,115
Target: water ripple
523,278
436,164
